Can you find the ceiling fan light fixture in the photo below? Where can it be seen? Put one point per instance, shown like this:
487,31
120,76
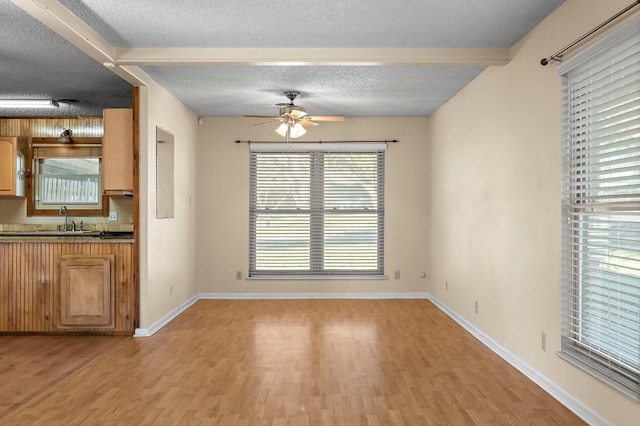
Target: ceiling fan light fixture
294,119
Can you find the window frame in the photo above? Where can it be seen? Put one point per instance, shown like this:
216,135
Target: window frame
32,206
317,211
585,344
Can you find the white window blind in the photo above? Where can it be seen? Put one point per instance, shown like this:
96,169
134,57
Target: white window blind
601,198
316,210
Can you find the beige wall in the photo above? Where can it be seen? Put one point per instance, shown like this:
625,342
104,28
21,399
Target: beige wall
167,246
223,197
13,210
495,197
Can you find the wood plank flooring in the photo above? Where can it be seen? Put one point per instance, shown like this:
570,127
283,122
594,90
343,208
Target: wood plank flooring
273,362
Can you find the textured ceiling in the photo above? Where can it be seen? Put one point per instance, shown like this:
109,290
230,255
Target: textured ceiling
37,62
322,23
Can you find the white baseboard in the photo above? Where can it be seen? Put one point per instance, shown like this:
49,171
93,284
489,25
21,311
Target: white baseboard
573,404
280,296
146,332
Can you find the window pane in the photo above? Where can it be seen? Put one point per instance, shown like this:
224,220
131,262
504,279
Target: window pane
283,242
350,181
70,166
284,183
609,290
351,241
69,181
69,190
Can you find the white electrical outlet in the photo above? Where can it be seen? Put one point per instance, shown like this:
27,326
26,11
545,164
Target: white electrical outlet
476,307
113,216
396,275
446,286
543,341
238,275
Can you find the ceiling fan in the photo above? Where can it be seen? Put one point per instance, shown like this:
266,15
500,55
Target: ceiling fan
293,118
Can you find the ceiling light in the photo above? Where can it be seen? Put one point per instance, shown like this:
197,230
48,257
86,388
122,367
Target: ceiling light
282,129
28,103
65,136
297,130
292,130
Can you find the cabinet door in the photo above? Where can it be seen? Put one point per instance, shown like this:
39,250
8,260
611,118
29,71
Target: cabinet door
86,290
7,166
117,150
12,165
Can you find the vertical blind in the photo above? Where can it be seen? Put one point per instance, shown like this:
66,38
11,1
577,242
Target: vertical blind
601,198
316,210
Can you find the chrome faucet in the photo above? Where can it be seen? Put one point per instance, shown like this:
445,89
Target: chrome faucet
63,211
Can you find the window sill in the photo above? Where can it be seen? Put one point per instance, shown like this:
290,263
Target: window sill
317,277
590,367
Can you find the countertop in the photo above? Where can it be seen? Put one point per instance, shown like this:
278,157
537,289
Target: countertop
68,236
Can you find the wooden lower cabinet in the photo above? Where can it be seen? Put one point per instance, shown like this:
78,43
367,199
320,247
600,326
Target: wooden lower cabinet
59,287
85,291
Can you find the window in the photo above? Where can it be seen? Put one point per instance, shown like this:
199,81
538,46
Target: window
317,210
66,175
601,198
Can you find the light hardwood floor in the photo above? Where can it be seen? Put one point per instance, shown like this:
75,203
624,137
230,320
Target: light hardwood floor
273,362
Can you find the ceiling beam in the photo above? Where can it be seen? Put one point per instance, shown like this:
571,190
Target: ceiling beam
125,61
309,56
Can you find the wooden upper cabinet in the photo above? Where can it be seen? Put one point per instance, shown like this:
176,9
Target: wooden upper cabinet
117,150
12,165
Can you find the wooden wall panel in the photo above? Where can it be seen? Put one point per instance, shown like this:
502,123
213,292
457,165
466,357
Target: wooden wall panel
82,127
27,301
5,270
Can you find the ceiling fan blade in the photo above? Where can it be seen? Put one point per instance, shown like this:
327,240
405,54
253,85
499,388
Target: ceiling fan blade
307,123
263,116
325,117
296,113
267,122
